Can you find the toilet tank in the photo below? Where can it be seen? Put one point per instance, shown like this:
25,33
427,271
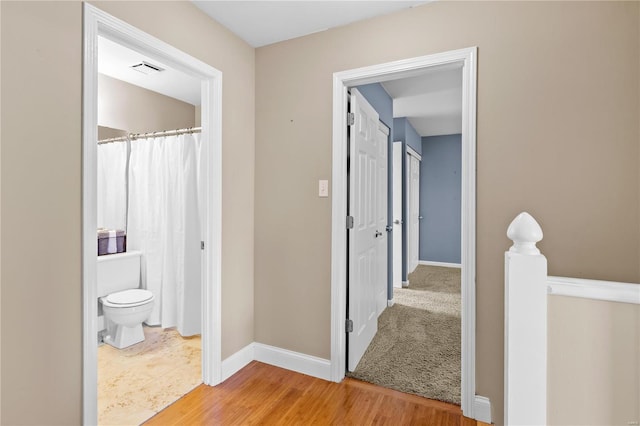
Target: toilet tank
117,272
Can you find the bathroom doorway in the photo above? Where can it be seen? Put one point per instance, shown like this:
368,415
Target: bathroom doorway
149,348
99,25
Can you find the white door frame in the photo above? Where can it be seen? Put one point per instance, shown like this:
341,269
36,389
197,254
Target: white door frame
98,23
379,73
397,204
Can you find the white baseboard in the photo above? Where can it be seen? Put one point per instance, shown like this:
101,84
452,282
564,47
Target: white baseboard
237,361
390,303
405,284
482,409
294,361
442,264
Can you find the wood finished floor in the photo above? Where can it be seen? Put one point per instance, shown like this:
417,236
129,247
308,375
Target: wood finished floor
268,395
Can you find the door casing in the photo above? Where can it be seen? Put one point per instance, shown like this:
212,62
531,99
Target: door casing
98,23
376,74
397,215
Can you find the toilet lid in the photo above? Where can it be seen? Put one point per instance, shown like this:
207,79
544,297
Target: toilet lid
127,297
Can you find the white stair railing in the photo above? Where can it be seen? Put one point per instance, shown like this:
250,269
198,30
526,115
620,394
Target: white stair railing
525,339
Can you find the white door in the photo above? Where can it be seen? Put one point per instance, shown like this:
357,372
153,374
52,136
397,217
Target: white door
397,214
413,212
363,237
381,213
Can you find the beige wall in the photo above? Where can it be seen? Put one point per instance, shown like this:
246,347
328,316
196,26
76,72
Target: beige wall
557,136
594,362
41,125
124,106
108,133
41,189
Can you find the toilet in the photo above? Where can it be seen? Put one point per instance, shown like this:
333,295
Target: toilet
124,304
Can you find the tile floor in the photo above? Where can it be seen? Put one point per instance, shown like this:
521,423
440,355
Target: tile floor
137,382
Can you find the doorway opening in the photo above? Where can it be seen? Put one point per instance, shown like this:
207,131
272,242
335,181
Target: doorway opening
416,345
100,25
466,58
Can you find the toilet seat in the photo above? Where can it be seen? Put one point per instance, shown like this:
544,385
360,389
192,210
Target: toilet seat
127,298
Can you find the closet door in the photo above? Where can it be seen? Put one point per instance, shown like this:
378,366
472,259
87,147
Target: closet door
413,195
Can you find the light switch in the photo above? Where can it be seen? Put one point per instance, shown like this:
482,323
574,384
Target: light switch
323,188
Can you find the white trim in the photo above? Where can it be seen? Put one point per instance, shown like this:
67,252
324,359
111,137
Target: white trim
338,231
237,361
294,361
390,302
594,289
385,72
482,409
383,128
412,152
98,23
441,264
89,219
468,232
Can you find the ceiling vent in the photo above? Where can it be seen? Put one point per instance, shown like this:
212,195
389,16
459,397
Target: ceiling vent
147,68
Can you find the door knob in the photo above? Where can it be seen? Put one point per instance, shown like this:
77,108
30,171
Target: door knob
420,217
397,222
378,234
389,228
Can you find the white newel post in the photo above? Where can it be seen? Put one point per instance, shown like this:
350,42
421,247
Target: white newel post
525,325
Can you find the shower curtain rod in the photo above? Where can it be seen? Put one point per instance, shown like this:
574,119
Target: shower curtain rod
134,136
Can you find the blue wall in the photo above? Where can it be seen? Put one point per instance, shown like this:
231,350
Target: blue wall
440,195
398,129
383,104
404,131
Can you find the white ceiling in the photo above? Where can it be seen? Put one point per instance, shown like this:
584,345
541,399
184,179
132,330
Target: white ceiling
260,23
432,101
115,61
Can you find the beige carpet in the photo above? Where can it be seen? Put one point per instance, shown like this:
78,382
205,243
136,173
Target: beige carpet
417,347
137,382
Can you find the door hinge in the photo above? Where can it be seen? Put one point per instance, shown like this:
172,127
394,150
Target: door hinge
349,326
351,119
349,222
201,245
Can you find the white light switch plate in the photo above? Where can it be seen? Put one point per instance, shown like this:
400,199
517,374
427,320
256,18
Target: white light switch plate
323,188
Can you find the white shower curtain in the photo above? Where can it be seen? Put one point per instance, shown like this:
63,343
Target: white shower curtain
112,185
164,223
